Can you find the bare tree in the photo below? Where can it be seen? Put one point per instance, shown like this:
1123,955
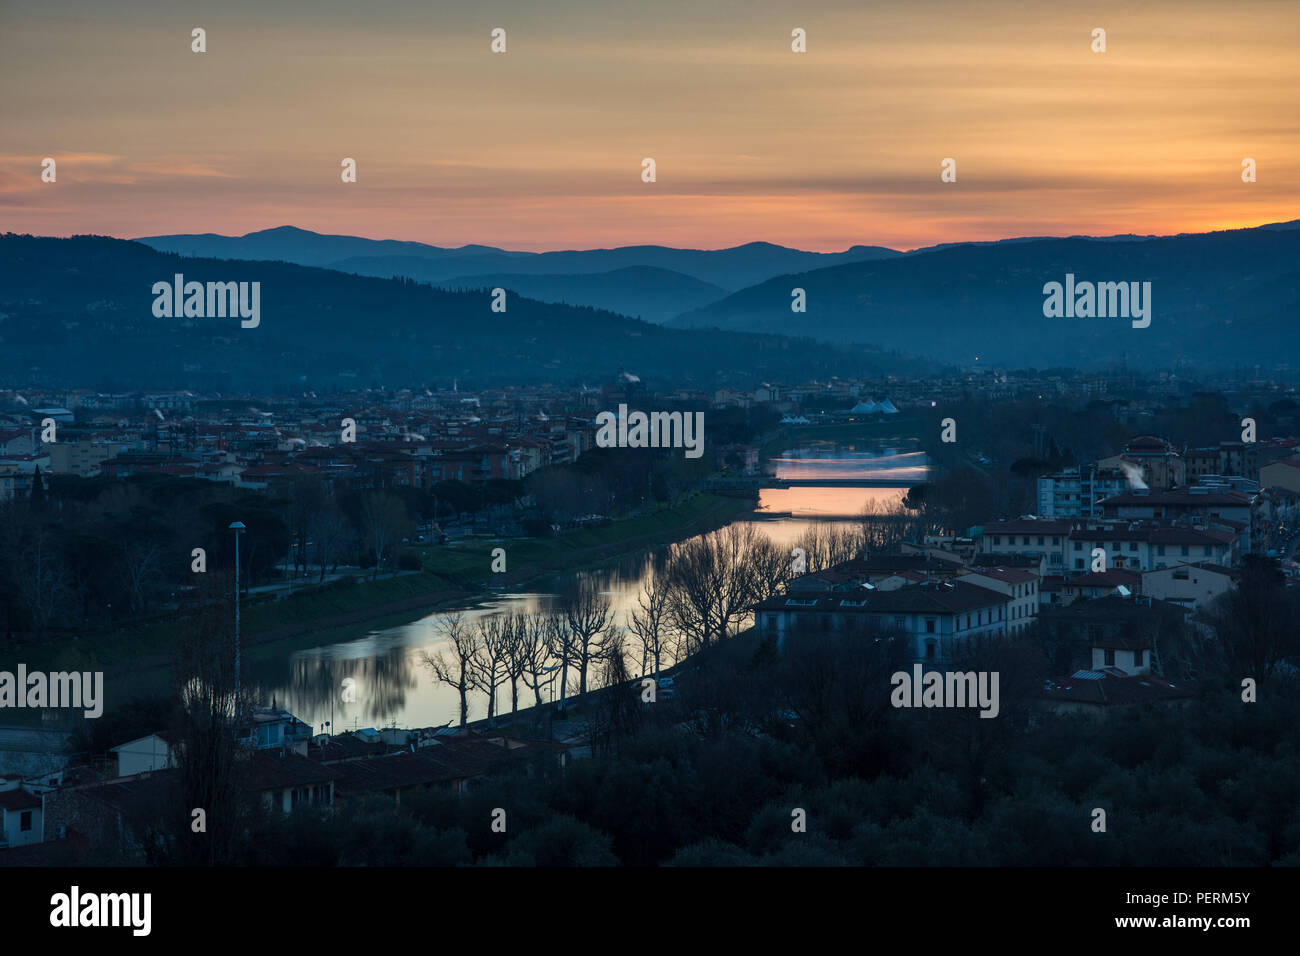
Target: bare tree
329,533
650,623
826,545
455,669
488,666
516,630
384,518
737,545
885,526
209,766
768,570
715,580
692,599
588,614
141,569
562,647
43,583
532,655
619,709
306,501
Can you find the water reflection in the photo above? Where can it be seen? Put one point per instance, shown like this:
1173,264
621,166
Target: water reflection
811,502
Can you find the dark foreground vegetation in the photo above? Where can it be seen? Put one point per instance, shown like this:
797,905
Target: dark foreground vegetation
715,776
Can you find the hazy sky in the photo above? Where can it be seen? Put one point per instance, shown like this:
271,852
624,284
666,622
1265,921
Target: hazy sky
541,148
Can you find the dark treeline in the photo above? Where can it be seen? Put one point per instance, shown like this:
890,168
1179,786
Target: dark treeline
90,551
718,774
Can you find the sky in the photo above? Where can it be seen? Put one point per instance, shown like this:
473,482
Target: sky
541,147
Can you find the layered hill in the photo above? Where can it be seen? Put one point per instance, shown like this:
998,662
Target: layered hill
80,311
1216,299
652,282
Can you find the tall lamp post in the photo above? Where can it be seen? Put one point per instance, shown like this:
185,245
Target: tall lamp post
238,528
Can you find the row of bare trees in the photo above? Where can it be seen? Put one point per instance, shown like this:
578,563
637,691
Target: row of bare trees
880,526
498,652
703,592
713,581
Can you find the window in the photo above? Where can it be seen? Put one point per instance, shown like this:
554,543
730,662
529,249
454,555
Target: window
1056,541
997,539
900,623
929,625
25,821
1160,549
1078,564
1206,550
1025,539
1186,550
929,650
1110,657
1078,546
1132,545
1137,658
1041,539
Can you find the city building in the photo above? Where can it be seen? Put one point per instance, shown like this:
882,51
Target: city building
1077,492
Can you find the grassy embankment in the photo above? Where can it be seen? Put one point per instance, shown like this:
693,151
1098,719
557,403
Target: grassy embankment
454,574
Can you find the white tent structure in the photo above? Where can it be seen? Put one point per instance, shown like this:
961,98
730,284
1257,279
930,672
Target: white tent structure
870,407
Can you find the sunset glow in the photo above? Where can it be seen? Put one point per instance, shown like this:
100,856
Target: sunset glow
541,148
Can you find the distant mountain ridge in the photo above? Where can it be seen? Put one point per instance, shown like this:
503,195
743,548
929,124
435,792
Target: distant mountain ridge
300,246
1218,298
714,272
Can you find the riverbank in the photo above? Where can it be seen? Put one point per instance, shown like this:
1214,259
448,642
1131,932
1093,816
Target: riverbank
138,659
469,563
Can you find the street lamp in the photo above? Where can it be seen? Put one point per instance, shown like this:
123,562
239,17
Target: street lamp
238,528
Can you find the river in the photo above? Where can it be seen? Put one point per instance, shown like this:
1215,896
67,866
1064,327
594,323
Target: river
392,685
